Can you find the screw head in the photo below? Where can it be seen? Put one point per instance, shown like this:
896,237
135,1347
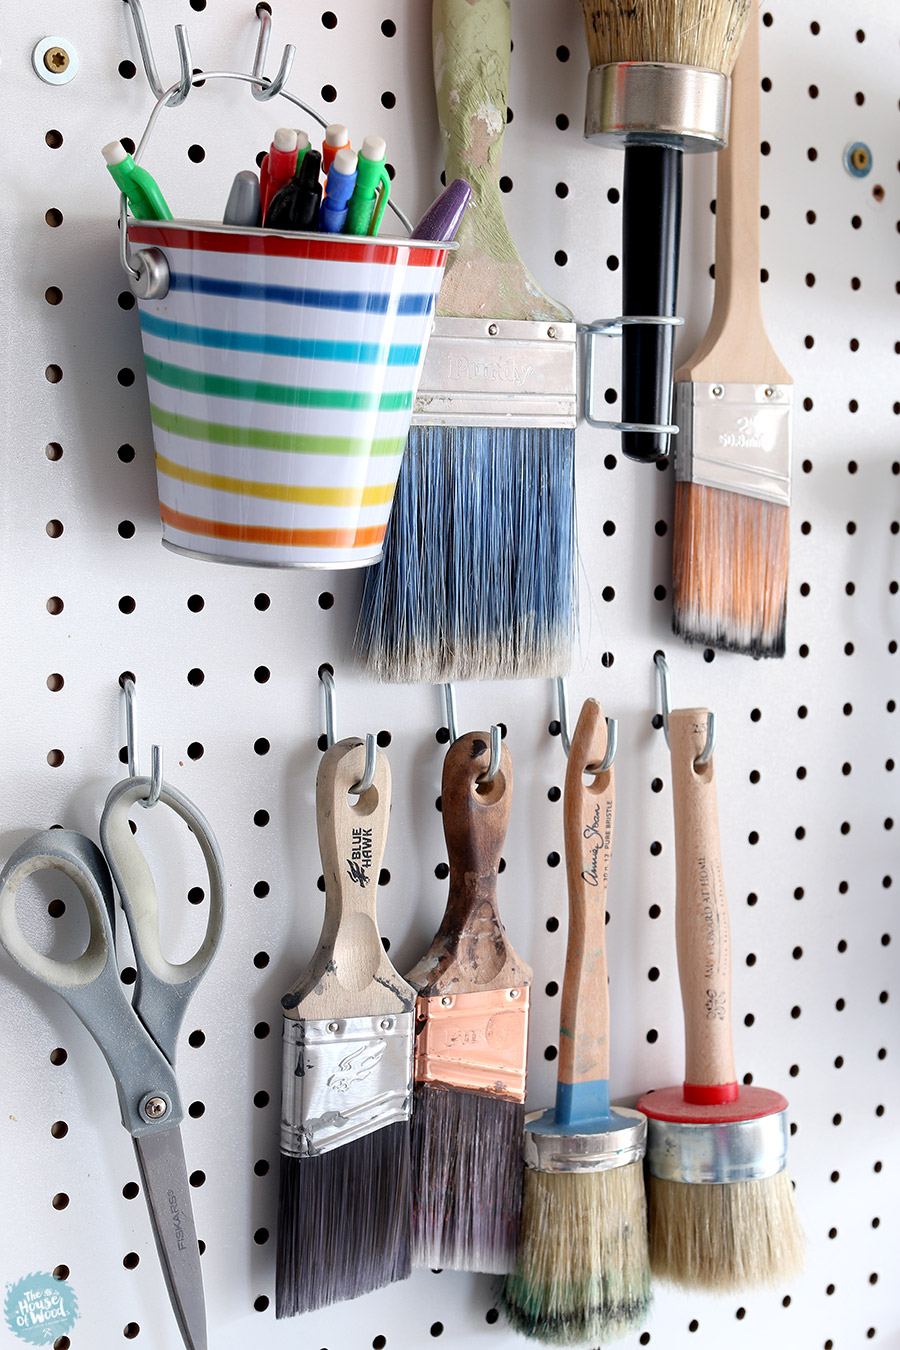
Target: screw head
155,1108
514,993
387,1023
332,1026
551,332
446,1001
717,391
769,392
493,330
56,59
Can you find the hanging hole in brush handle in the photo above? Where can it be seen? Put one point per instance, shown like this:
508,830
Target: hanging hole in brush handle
651,232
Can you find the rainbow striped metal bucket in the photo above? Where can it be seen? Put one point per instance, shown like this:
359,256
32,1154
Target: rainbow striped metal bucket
282,371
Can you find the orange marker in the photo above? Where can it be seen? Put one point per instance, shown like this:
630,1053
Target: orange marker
337,138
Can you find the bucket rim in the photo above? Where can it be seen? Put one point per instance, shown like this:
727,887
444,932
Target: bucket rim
258,231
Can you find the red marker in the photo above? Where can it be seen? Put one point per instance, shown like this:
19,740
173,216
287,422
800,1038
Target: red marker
278,166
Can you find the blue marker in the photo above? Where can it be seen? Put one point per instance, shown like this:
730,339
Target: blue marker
339,187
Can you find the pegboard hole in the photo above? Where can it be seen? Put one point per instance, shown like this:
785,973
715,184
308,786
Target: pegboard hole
55,758
131,1260
195,677
131,1190
53,374
132,1331
195,750
58,1056
55,682
60,1200
126,453
54,139
260,818
261,746
53,450
59,1129
261,1030
53,295
196,1039
195,603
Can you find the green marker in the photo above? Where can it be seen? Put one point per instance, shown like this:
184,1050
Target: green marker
364,214
140,187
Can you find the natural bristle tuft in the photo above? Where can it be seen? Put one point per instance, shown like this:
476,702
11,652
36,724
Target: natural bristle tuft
703,33
477,581
582,1271
343,1221
725,1237
730,570
467,1180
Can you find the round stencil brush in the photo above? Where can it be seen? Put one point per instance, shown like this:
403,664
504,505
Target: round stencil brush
582,1272
722,1211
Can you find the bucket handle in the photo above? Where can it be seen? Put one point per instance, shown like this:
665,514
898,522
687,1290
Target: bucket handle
147,270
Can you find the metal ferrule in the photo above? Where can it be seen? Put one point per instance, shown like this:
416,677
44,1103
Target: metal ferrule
657,103
343,1079
736,437
474,1042
490,372
625,1141
740,1150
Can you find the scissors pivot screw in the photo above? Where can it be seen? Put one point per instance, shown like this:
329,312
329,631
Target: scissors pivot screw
155,1108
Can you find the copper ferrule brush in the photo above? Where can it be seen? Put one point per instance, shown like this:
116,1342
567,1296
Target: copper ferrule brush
582,1270
722,1213
659,86
471,1038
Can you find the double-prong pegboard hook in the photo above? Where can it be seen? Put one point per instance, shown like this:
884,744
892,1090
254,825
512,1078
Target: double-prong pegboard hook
126,680
184,56
267,89
662,672
327,680
612,729
453,725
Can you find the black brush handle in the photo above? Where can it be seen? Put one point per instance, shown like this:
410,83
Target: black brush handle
651,233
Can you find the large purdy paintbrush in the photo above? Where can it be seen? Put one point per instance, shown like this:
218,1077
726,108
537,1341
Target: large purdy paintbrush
345,1204
733,405
471,1038
659,86
478,575
583,1271
722,1211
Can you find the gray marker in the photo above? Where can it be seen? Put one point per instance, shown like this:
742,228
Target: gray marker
243,200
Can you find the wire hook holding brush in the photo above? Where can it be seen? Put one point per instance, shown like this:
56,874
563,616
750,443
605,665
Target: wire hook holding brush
493,768
326,678
662,672
126,681
612,729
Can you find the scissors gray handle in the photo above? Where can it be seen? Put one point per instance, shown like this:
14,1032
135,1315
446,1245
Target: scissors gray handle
162,990
90,984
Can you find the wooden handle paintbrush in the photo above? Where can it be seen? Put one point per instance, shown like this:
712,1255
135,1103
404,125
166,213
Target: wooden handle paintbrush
658,85
471,1038
492,441
582,1268
345,1200
721,1206
733,400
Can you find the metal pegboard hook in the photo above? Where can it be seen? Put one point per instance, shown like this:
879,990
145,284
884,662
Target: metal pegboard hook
326,678
263,89
565,735
493,767
126,681
662,672
449,691
146,50
613,328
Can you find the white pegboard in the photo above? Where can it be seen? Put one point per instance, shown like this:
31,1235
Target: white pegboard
805,763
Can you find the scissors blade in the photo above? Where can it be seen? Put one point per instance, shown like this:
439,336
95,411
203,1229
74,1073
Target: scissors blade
160,1158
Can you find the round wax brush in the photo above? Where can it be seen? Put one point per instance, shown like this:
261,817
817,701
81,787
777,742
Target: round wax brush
722,1211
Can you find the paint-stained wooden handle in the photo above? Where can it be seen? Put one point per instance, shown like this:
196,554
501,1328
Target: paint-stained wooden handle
736,346
701,913
485,276
350,974
588,810
471,952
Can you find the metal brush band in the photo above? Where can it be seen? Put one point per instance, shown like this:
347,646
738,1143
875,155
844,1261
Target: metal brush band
657,103
475,1042
343,1079
620,1144
740,1150
736,437
506,372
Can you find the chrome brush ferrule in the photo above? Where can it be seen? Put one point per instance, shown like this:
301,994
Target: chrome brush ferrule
738,1150
657,103
625,1141
343,1079
736,437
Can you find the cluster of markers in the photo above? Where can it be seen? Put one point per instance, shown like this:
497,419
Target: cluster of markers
287,194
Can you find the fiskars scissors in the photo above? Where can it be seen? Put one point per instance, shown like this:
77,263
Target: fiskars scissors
138,1038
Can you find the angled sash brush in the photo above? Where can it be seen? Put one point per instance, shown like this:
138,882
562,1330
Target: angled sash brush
344,1202
582,1270
471,1038
477,580
722,1211
733,399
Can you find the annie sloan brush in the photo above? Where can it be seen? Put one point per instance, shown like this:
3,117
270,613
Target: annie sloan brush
477,578
733,401
344,1202
722,1211
582,1271
659,87
471,1038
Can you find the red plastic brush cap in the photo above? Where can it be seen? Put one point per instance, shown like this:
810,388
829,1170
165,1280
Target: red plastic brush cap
751,1103
710,1094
